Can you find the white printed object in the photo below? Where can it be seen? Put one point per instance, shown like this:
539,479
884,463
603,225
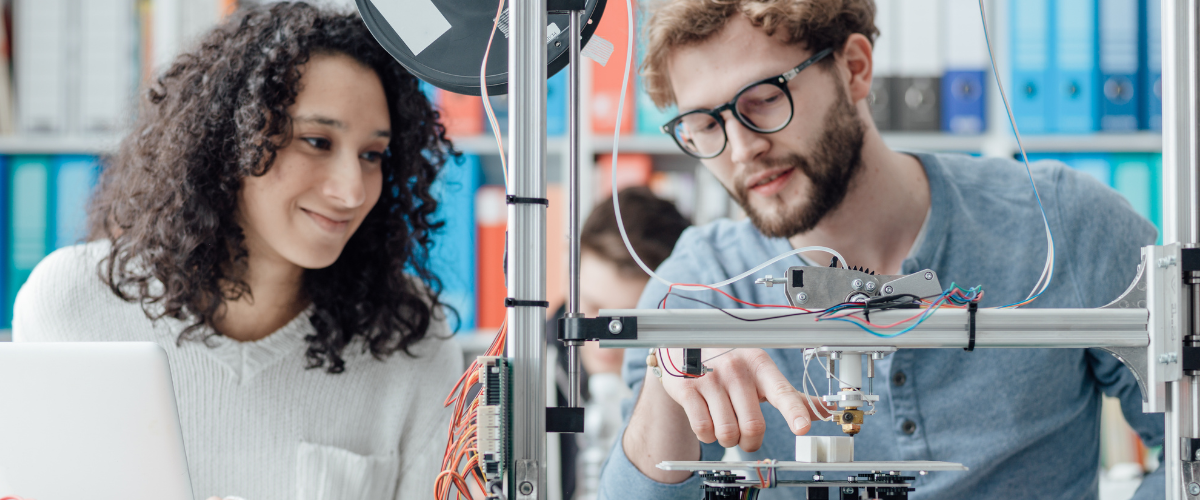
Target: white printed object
824,449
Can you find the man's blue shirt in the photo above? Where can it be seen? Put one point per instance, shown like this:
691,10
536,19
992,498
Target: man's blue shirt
1025,421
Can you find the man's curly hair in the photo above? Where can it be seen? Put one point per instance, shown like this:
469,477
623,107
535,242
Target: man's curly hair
167,199
812,24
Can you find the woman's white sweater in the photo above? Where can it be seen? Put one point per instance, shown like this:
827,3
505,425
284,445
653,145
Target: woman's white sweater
256,423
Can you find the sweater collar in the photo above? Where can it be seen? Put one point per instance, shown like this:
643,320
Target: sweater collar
244,360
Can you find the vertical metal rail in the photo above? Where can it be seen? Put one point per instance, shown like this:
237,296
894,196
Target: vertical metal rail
1179,115
573,126
1181,216
527,247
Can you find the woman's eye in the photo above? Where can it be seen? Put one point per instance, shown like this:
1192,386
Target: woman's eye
373,156
317,142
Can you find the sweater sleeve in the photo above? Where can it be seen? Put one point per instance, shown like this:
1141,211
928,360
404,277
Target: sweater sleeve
421,453
58,291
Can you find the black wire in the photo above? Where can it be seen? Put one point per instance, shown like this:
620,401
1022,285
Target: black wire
734,316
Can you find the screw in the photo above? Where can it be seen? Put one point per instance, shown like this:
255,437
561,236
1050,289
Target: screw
870,286
924,473
1166,261
801,298
1193,489
1167,358
856,284
928,275
887,289
526,488
615,327
817,477
1197,454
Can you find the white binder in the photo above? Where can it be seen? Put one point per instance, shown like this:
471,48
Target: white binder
41,40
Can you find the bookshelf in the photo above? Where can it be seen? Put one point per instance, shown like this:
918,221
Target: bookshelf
1137,142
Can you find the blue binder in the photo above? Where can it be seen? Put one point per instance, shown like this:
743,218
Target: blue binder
962,102
31,230
452,255
556,104
1032,98
1134,178
1152,74
650,119
1119,65
1076,63
1097,165
76,176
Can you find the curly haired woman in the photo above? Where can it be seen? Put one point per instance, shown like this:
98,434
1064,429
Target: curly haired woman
267,221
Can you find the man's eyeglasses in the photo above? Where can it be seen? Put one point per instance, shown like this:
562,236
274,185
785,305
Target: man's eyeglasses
764,106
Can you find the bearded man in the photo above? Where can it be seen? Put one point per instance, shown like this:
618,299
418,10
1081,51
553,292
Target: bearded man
774,96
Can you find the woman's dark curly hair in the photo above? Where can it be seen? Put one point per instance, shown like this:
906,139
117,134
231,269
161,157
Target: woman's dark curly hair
168,198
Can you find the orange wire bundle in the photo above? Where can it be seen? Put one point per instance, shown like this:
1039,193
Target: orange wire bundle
460,463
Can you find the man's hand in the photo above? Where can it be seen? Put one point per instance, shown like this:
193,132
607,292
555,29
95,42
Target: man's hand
721,406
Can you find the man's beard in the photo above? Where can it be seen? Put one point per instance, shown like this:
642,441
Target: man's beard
830,168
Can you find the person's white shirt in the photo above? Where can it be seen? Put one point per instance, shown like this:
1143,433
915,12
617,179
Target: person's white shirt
256,423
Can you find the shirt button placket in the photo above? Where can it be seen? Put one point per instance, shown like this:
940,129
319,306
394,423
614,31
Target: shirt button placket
904,404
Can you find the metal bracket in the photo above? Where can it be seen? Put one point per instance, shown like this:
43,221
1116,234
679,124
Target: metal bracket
525,479
1189,450
1164,300
1136,358
601,328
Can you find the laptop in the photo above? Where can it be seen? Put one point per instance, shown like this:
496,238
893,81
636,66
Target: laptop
89,420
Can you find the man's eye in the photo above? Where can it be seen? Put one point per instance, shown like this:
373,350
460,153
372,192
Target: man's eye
317,142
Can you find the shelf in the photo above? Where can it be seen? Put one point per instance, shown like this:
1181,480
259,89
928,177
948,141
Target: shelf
1137,142
58,144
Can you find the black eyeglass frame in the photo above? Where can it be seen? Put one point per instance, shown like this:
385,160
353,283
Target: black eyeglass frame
780,81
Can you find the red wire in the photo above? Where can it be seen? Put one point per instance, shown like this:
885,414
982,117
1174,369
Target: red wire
722,292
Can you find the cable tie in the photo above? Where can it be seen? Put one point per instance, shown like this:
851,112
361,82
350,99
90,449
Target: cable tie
513,200
511,302
971,308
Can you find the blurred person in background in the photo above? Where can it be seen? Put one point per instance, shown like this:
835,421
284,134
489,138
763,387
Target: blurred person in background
609,278
266,222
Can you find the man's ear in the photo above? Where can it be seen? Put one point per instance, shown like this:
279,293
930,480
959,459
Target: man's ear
856,66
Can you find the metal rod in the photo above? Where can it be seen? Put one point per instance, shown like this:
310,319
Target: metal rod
527,248
1181,214
574,371
1179,114
573,128
1070,328
1194,386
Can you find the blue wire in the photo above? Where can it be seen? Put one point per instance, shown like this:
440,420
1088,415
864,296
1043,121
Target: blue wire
1024,156
971,293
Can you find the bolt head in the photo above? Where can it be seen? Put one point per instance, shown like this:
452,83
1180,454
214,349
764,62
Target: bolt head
526,488
801,298
1193,489
887,289
928,275
1197,454
615,327
870,286
856,284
